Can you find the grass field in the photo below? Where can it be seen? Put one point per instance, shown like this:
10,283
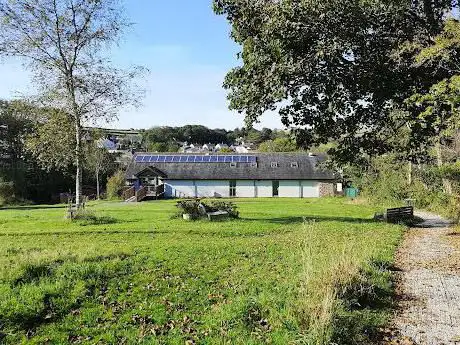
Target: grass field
288,272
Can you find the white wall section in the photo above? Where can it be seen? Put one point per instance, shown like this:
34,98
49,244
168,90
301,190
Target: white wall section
264,189
310,189
289,189
244,189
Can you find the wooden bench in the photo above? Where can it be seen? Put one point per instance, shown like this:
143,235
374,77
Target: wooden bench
399,214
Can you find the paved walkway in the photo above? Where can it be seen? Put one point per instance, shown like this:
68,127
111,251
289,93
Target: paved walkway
429,294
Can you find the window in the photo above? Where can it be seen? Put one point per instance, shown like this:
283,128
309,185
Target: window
276,188
232,189
294,165
274,165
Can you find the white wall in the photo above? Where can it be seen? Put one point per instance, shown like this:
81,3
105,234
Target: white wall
179,189
213,189
264,189
289,189
310,189
245,189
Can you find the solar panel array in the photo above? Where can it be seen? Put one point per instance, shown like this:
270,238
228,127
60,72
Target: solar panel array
195,159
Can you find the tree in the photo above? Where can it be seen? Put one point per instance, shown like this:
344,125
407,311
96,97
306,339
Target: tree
52,142
65,44
99,161
278,145
438,108
331,67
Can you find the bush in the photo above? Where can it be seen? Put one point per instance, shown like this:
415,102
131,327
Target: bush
85,217
191,207
228,207
7,193
115,185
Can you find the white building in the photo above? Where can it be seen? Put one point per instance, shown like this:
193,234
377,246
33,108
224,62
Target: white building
284,175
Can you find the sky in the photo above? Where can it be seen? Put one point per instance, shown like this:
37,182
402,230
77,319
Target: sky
188,51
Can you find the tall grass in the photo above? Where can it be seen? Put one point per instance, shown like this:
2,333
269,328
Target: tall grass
330,281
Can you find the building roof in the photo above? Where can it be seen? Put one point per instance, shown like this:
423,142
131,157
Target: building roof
285,169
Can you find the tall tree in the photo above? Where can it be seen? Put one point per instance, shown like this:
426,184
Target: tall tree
98,161
437,109
330,67
65,43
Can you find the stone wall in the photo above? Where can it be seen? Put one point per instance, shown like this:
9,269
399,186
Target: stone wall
326,189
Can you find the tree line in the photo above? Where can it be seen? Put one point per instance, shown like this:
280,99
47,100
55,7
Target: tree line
170,139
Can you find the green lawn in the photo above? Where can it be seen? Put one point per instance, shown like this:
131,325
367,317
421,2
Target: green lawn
289,271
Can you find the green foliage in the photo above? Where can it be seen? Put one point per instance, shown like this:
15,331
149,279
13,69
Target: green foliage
278,145
167,139
85,217
331,68
163,147
7,193
219,205
52,142
150,279
192,207
115,185
226,150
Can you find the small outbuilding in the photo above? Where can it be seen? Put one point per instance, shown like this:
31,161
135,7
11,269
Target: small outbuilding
284,175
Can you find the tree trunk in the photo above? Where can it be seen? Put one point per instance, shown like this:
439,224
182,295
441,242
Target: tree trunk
78,164
447,185
409,173
97,186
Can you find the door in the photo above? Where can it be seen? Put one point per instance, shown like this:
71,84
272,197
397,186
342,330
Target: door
232,189
275,188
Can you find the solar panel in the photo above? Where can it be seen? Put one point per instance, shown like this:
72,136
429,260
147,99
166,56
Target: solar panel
195,159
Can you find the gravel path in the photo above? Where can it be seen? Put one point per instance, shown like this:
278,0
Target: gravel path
429,294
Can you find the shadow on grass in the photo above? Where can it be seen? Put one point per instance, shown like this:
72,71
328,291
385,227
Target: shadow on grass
366,304
298,220
84,233
31,207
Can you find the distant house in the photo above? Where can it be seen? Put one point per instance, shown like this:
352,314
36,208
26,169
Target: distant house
290,175
208,147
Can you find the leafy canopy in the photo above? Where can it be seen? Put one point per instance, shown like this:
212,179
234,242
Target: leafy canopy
331,67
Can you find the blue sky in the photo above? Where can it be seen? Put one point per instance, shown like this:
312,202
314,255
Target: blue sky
188,51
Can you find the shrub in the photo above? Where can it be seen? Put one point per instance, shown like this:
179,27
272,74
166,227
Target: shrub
115,185
7,193
85,217
228,207
191,207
